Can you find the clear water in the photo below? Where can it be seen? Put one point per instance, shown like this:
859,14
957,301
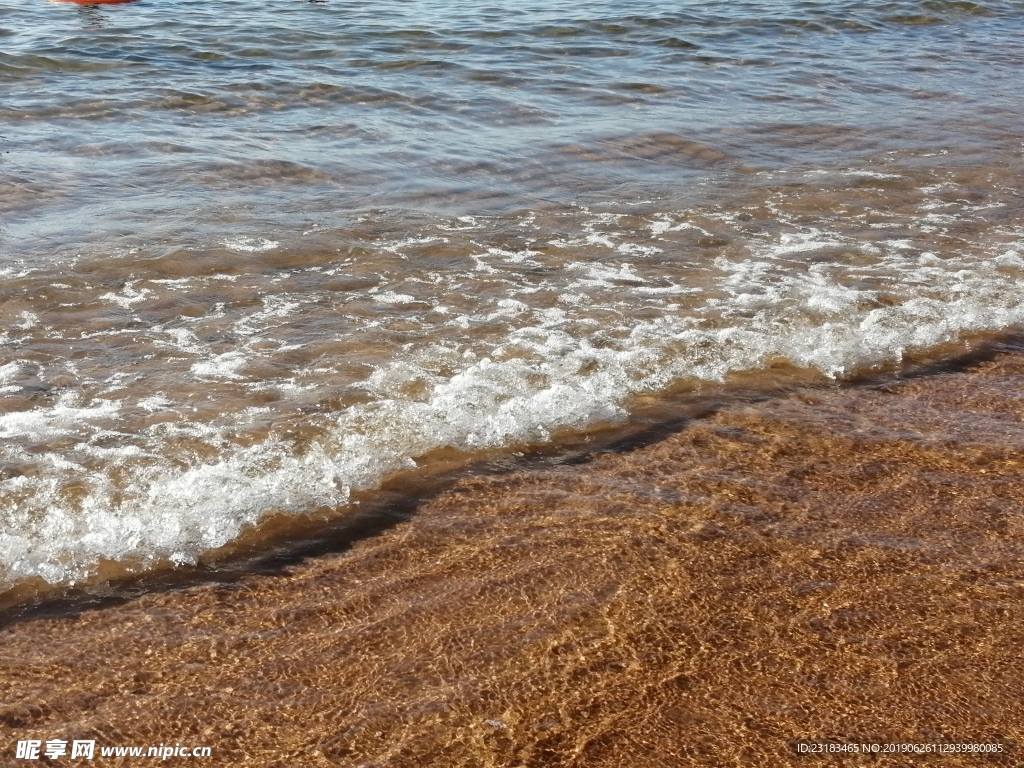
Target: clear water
255,256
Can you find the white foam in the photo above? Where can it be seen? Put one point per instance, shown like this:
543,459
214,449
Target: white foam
156,402
390,297
633,249
244,244
274,307
223,366
10,372
28,320
66,417
547,368
171,516
665,223
398,246
605,275
803,242
184,339
524,256
127,297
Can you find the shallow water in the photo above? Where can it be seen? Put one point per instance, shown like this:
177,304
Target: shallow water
256,257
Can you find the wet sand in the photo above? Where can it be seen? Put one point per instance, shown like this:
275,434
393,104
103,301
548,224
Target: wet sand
832,564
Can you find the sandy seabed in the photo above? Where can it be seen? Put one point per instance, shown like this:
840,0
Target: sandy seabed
828,565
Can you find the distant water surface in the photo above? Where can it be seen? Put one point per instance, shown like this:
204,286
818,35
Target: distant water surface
255,256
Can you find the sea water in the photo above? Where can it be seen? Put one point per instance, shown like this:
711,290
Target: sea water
257,257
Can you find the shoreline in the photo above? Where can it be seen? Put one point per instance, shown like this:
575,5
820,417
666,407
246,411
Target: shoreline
828,564
284,540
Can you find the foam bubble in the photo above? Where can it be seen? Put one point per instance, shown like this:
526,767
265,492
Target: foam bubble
127,297
28,320
390,297
245,244
224,365
66,417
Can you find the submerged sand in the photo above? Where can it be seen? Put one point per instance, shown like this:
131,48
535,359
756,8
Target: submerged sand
841,564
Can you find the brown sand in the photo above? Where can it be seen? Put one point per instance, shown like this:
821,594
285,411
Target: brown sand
843,564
